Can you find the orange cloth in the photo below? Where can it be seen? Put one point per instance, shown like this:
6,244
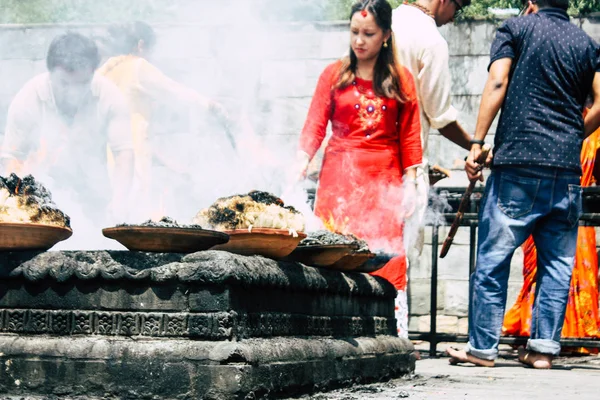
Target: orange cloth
581,318
374,139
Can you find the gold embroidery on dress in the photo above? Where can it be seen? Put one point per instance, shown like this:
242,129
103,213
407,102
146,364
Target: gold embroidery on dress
370,112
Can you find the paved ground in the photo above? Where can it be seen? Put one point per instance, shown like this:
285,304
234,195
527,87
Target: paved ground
572,378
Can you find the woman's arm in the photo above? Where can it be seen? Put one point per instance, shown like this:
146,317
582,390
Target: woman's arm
319,113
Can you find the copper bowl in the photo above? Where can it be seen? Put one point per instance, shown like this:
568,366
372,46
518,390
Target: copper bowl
165,240
352,261
26,236
271,243
320,255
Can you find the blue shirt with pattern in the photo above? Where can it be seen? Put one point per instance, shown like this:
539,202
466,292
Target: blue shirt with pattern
553,66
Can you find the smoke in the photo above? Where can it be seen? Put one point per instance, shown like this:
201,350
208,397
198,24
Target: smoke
251,57
239,53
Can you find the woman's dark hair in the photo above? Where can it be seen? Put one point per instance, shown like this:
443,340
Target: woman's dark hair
73,52
386,77
124,38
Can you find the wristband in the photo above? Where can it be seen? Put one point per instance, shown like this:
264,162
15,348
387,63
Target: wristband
476,141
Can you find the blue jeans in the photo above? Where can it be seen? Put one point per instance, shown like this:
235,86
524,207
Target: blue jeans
518,202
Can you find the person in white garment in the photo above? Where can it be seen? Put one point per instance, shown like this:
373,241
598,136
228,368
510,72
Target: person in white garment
424,52
58,127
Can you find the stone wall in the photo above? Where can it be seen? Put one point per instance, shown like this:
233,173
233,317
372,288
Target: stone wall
269,71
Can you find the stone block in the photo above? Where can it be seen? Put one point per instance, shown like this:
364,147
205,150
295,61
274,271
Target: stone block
444,323
419,296
470,38
447,323
468,107
455,267
421,265
456,298
590,25
463,326
469,74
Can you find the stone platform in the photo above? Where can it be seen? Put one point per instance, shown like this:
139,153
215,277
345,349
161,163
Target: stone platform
207,325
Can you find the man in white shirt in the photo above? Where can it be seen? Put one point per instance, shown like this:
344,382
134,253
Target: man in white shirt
58,128
422,49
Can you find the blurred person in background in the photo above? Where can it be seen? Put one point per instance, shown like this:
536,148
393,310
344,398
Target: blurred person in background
147,89
59,126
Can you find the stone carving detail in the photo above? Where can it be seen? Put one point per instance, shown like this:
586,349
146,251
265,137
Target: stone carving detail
151,325
129,324
15,321
60,323
104,323
175,325
82,323
38,321
209,326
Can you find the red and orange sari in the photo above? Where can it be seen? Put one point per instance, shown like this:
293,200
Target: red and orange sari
581,318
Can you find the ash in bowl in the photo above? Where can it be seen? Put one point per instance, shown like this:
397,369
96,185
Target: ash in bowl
28,201
256,209
164,222
324,237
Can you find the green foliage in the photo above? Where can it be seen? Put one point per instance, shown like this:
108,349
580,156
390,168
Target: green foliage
338,9
103,11
50,11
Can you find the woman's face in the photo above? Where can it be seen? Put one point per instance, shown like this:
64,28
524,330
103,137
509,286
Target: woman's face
366,37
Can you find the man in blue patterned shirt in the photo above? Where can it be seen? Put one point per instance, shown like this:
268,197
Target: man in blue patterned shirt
542,68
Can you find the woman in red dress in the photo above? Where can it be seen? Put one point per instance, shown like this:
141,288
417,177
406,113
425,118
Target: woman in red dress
367,180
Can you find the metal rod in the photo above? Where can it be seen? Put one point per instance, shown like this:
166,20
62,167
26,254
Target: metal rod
433,297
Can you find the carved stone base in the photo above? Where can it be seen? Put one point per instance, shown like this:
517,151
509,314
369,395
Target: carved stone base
205,325
120,368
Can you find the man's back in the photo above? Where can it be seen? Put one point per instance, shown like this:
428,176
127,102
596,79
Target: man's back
553,67
422,49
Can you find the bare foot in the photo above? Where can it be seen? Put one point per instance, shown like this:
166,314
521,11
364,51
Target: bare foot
534,359
461,356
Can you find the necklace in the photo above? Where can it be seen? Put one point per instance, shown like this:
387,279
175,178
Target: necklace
422,8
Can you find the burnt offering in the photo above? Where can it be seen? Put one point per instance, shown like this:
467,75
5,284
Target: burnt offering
255,209
28,201
164,222
324,237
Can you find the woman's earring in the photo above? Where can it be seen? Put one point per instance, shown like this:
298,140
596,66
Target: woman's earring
385,44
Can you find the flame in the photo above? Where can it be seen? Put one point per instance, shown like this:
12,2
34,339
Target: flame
332,225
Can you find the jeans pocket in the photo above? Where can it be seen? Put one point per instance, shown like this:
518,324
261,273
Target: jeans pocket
516,194
575,204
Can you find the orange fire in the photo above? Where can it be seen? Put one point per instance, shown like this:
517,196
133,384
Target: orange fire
332,225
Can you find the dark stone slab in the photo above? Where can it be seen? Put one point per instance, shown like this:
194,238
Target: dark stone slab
175,369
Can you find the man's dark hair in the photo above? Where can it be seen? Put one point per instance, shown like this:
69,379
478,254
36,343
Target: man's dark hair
73,52
465,3
563,4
